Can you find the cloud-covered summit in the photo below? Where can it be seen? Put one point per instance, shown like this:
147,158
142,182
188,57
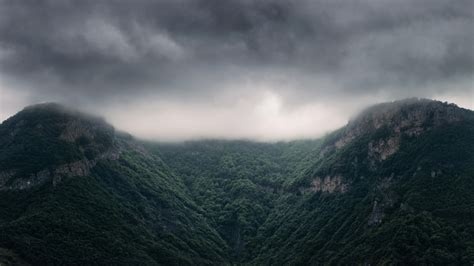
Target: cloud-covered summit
214,55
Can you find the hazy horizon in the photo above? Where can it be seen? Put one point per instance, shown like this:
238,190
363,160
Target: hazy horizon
261,70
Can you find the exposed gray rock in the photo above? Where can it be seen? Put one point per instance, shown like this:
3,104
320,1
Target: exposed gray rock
377,214
411,117
381,149
386,198
10,181
347,138
330,184
82,136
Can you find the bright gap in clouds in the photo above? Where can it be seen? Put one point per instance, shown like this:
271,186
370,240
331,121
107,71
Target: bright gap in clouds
11,102
260,114
262,117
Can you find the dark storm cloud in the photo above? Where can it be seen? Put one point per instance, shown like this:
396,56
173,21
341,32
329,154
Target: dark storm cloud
191,48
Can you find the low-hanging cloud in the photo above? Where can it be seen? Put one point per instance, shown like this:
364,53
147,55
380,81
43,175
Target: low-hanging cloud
205,56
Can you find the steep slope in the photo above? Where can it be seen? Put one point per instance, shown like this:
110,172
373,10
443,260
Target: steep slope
237,183
392,187
74,191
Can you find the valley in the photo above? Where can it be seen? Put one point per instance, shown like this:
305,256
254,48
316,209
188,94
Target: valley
394,186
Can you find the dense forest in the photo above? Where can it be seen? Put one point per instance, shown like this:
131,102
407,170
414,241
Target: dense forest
394,186
237,183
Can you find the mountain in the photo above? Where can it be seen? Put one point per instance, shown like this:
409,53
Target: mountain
393,186
75,191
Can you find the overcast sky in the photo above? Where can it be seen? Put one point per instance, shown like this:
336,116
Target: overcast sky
266,70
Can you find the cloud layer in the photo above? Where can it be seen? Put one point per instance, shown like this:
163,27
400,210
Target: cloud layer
208,56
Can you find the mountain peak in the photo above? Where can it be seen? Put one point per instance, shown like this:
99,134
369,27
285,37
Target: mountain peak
387,123
410,111
47,140
383,134
56,109
53,120
46,105
410,116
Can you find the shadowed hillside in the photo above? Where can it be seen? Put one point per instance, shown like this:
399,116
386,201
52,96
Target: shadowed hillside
74,191
394,186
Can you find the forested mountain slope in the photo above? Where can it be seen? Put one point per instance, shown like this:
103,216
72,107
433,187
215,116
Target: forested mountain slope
237,183
394,186
74,191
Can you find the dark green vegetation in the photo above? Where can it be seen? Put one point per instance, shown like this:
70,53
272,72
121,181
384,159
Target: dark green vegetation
395,186
237,183
38,138
126,210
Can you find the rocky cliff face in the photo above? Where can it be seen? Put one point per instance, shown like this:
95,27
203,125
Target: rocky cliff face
13,180
381,149
389,188
74,191
70,144
411,117
379,132
329,184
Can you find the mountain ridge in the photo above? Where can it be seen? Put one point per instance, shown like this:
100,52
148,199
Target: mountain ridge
343,198
359,182
87,138
377,191
76,192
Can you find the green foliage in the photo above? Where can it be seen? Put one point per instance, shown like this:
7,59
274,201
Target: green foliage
122,213
423,221
236,182
126,211
427,204
238,202
31,140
